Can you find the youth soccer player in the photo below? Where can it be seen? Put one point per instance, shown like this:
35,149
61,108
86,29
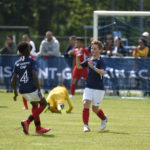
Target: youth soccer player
78,73
94,91
25,69
57,98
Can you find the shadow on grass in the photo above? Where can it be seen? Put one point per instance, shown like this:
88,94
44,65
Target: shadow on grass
3,106
44,135
112,132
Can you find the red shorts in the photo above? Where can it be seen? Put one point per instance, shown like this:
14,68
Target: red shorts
78,73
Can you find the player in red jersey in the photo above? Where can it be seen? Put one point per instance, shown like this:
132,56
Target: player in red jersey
78,73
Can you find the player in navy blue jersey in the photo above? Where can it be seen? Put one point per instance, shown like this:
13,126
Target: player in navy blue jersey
25,70
94,90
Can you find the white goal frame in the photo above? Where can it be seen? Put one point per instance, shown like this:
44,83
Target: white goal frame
113,13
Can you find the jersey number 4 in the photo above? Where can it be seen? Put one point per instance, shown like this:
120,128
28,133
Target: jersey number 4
25,77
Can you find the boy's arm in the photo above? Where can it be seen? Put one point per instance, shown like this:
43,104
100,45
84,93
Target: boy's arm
70,52
14,86
99,71
78,60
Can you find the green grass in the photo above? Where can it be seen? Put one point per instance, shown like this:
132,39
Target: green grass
128,127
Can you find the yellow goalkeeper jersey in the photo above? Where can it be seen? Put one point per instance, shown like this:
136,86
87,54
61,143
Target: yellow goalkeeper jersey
59,95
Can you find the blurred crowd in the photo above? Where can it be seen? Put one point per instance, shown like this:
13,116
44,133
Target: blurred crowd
50,46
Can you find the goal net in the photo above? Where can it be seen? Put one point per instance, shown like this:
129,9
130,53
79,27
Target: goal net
129,25
124,73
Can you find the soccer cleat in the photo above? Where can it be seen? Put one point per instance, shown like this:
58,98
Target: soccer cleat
104,123
25,126
24,108
86,128
43,130
72,96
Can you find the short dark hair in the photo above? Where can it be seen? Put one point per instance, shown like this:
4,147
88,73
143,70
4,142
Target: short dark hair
23,47
73,37
81,39
10,36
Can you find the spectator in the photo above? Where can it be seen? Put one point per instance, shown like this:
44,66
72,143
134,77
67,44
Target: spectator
71,46
49,46
118,49
146,37
89,47
108,45
141,50
26,38
9,46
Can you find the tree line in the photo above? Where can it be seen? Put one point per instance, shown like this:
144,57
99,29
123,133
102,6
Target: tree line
63,17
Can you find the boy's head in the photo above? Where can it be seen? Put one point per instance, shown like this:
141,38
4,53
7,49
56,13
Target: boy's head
96,48
24,48
80,42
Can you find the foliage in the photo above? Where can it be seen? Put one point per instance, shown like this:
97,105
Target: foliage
60,16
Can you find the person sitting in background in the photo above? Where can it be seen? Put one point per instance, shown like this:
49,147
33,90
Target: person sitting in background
57,98
26,38
108,45
9,46
141,50
118,49
71,46
49,46
145,36
89,47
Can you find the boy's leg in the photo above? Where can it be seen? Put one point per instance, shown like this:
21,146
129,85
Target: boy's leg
99,112
36,114
25,123
73,82
85,115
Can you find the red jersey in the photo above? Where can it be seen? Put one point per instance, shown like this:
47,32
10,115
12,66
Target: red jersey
85,53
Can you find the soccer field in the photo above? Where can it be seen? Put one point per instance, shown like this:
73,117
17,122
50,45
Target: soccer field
128,127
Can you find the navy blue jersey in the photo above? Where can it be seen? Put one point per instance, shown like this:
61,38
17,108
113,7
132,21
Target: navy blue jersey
94,80
23,68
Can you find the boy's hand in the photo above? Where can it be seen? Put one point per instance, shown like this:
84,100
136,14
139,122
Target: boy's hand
90,63
40,94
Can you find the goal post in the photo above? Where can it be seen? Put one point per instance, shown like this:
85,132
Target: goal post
113,13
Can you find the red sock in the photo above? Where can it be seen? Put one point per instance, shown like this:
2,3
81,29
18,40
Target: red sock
73,87
25,102
85,115
31,117
36,114
100,114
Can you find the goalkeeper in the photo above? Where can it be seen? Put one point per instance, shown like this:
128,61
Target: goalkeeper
57,98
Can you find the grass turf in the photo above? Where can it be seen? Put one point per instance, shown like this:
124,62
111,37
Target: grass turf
128,127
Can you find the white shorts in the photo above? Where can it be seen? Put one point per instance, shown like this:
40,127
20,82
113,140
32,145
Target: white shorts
32,97
96,96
